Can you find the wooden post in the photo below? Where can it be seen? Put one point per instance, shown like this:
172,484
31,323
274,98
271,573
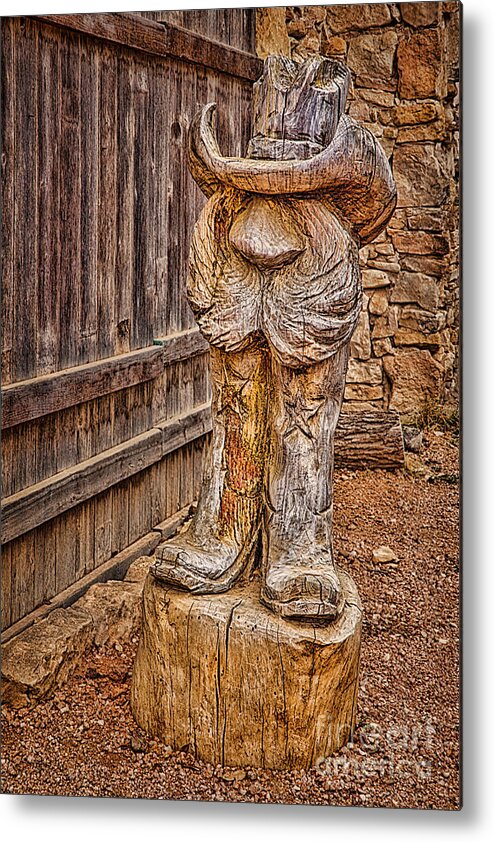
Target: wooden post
241,686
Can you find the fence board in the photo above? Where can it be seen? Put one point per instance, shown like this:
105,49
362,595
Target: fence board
7,116
46,500
162,39
25,203
90,69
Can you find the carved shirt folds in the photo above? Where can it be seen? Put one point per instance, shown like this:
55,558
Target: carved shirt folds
302,293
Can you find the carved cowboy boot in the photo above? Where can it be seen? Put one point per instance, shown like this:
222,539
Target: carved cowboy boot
299,575
220,541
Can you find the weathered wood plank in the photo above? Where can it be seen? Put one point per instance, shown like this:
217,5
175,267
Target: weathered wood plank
29,399
39,503
49,152
26,200
8,122
142,276
369,440
125,202
90,211
6,584
162,39
69,279
107,196
179,431
45,500
113,568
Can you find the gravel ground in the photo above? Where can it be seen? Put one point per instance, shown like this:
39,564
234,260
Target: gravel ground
405,753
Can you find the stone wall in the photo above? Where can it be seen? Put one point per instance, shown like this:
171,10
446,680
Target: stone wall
404,60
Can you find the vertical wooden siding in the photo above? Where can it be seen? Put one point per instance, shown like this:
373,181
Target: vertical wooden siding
98,212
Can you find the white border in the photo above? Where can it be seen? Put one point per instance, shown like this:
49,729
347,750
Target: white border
77,819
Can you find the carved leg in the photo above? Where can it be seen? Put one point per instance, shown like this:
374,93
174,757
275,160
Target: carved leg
299,576
210,556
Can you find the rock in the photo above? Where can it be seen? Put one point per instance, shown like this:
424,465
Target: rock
383,98
382,347
425,219
371,58
115,608
358,406
415,287
415,467
415,379
357,392
42,658
412,114
138,570
422,320
429,132
314,14
359,110
364,372
332,46
417,339
385,326
138,745
419,14
310,44
361,16
418,175
231,775
419,65
378,303
419,242
426,265
271,32
384,555
399,220
412,438
384,266
374,278
297,28
384,249
360,343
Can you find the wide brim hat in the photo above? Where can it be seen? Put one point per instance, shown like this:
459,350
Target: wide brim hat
302,143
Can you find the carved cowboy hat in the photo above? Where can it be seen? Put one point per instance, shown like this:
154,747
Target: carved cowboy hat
302,143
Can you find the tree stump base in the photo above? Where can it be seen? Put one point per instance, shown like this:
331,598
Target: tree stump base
241,686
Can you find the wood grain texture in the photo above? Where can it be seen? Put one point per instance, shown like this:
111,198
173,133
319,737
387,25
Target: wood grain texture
241,686
275,287
369,440
46,500
29,399
161,39
114,568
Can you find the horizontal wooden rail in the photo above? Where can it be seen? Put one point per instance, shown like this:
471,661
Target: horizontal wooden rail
46,500
114,568
30,399
362,440
182,346
161,39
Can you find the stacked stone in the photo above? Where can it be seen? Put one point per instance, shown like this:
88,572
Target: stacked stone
404,60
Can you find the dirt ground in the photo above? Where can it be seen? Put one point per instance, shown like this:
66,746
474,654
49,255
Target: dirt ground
405,753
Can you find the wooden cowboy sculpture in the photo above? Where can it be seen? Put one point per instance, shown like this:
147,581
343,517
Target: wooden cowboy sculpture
275,287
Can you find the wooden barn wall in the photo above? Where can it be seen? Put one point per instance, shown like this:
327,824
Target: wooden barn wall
98,209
